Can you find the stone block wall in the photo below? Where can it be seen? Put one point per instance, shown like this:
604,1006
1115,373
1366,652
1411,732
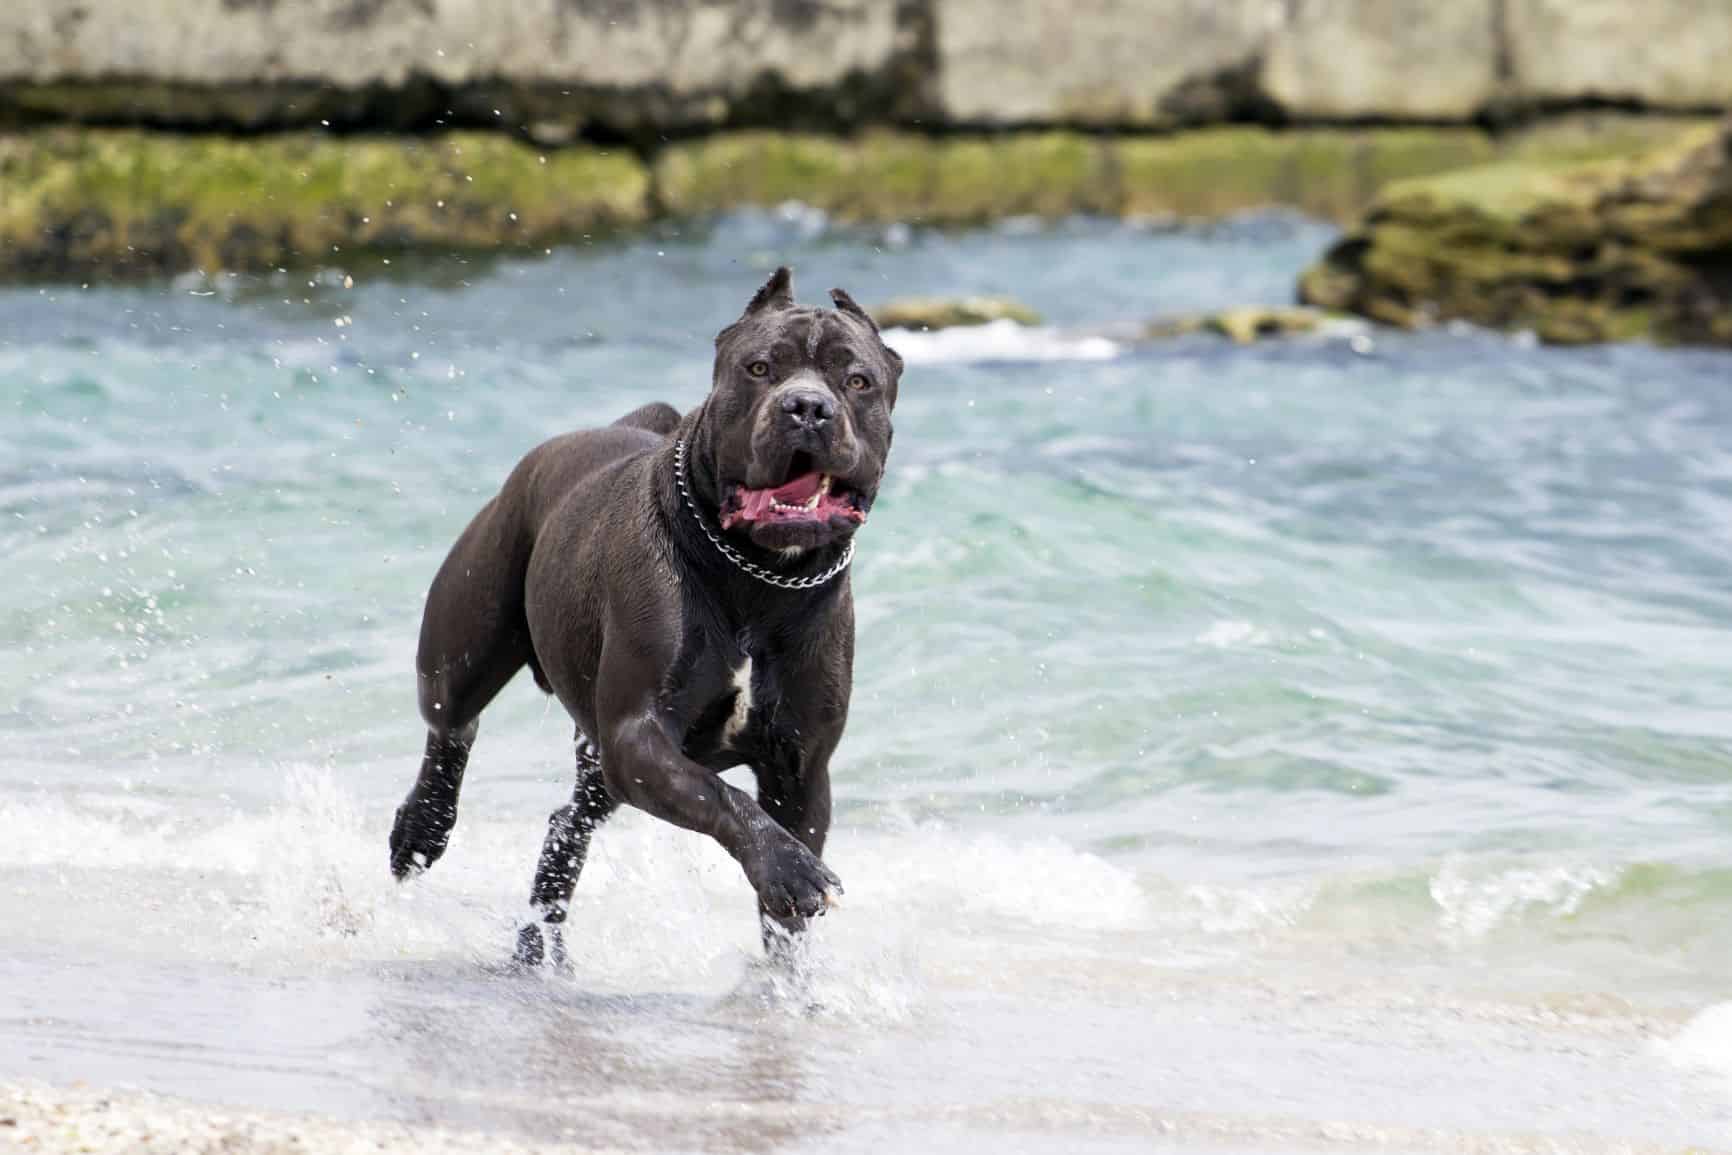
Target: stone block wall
642,68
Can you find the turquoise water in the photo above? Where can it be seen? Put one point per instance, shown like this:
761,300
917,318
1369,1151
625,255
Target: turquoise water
1331,731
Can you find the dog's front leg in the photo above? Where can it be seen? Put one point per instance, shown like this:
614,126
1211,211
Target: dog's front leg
645,768
797,796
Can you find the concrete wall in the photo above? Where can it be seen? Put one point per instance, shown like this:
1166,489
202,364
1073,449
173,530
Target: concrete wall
622,64
1660,53
1398,59
648,66
690,46
1121,62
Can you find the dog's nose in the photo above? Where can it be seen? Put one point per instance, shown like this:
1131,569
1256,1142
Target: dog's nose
809,408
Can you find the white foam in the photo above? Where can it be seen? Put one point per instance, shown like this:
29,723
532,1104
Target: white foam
1041,883
107,833
998,341
1476,900
1705,1043
1226,635
1237,910
303,885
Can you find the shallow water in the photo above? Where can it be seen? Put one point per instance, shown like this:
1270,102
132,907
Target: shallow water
1327,742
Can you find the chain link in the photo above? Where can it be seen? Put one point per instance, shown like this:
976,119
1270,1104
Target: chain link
767,576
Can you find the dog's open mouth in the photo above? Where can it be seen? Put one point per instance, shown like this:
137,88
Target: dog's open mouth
807,496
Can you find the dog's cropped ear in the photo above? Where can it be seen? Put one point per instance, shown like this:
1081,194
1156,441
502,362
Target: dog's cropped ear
847,304
777,292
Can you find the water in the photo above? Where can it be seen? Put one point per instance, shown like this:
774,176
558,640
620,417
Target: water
1327,742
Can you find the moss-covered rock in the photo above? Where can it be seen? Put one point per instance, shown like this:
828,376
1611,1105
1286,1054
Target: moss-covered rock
100,200
1590,136
1335,174
1207,174
1595,251
1327,173
951,312
1244,325
123,201
885,176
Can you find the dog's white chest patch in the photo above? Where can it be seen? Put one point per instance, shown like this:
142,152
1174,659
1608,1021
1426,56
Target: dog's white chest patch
742,701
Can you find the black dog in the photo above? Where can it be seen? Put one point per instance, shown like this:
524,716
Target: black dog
681,583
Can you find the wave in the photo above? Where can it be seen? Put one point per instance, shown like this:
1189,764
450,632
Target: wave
998,342
303,885
304,881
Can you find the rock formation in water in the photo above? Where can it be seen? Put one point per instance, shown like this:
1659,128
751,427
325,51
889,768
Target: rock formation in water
925,313
1576,253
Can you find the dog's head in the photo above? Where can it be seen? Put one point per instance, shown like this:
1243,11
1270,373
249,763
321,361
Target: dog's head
799,419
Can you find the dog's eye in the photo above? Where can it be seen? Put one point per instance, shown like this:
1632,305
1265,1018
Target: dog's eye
858,381
759,368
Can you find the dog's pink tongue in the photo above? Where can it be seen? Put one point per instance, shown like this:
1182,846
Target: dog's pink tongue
754,506
797,490
755,503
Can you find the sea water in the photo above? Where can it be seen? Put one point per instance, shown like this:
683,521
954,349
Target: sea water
1323,742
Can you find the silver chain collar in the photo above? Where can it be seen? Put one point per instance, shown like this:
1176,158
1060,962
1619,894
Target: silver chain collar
767,576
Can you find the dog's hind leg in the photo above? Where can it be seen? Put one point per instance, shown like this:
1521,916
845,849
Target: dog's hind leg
562,855
474,639
424,820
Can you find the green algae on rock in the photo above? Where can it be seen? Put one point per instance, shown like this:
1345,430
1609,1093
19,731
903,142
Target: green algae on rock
1335,173
104,201
886,176
963,180
960,180
1327,173
951,312
119,201
1597,251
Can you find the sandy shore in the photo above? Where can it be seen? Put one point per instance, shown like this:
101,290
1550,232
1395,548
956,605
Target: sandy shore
38,1118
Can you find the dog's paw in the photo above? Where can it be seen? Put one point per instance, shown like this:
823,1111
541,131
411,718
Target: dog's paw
531,948
538,944
418,838
792,882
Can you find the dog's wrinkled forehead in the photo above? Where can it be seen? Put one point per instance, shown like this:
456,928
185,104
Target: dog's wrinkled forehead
772,318
796,326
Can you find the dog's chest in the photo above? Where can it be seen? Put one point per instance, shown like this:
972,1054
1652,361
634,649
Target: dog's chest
740,708
740,715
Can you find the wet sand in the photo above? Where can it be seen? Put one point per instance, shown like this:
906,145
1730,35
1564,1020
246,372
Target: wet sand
38,1118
